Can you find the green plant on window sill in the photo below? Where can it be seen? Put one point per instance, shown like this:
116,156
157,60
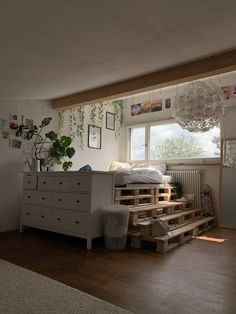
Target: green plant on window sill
60,148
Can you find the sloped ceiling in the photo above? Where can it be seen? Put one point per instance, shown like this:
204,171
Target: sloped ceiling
53,48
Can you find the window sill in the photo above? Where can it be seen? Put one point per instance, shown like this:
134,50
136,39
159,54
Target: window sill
181,162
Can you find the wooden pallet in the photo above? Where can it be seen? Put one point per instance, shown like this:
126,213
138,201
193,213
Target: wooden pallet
134,195
174,221
146,211
141,212
176,237
162,193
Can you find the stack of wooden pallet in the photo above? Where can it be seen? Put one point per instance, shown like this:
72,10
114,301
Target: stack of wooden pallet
148,201
143,194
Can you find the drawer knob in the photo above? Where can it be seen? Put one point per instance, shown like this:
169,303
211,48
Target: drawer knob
43,198
77,222
29,196
44,182
78,183
28,182
42,216
58,219
78,201
27,214
59,199
60,183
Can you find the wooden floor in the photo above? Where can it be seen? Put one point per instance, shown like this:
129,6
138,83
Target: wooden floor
198,277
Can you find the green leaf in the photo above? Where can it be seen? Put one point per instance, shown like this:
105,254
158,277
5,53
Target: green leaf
51,135
30,134
57,150
70,151
19,132
65,141
46,121
66,165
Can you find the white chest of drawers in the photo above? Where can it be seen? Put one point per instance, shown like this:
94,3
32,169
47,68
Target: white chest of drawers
66,202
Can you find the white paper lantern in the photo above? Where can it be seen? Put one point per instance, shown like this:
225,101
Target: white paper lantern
200,108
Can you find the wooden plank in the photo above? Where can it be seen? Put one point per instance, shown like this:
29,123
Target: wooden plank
184,229
212,65
184,213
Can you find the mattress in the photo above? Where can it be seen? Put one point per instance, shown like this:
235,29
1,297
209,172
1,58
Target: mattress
127,176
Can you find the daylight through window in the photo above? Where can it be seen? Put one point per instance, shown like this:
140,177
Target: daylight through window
170,141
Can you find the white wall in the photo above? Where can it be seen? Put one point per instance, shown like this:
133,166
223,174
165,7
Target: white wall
98,159
12,160
210,173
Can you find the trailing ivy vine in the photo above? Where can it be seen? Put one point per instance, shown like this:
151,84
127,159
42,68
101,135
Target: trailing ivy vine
93,109
118,111
61,120
96,112
80,127
101,108
72,122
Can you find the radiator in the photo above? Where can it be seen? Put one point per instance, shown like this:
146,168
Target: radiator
190,181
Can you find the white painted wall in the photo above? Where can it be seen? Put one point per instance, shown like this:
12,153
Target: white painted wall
98,159
12,160
210,173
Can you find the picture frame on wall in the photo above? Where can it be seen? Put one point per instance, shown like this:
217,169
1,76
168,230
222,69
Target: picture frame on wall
94,136
110,121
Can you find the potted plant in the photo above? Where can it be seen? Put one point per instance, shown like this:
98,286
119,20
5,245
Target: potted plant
60,147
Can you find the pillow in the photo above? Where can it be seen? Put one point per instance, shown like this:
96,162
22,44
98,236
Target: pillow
114,165
145,165
161,167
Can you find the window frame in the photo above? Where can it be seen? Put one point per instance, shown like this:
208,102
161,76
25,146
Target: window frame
196,161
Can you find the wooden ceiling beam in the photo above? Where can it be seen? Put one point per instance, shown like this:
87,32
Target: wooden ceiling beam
217,64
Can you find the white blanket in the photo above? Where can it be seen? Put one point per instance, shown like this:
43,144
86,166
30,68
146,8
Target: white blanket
125,176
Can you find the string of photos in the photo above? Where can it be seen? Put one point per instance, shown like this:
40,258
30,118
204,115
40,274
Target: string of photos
76,120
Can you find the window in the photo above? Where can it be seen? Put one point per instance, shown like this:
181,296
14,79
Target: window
137,143
166,141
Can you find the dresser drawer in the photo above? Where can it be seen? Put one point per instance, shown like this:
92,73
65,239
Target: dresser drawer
70,221
75,201
35,215
62,183
30,181
29,215
44,198
38,198
45,183
78,183
30,197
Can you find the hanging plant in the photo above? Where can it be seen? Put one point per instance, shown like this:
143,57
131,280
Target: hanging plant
101,108
93,109
80,126
71,123
118,111
61,120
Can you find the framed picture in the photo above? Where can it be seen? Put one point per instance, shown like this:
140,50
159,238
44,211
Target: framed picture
94,136
229,153
110,121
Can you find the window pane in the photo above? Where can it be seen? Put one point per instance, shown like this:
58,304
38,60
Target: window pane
137,143
170,141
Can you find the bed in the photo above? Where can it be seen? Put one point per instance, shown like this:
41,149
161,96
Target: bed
139,173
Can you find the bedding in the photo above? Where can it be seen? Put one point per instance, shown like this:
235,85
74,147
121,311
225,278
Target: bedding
145,175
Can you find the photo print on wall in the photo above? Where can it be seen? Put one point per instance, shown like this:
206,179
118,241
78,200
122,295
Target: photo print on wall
135,109
146,106
16,143
157,105
168,103
3,123
13,121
